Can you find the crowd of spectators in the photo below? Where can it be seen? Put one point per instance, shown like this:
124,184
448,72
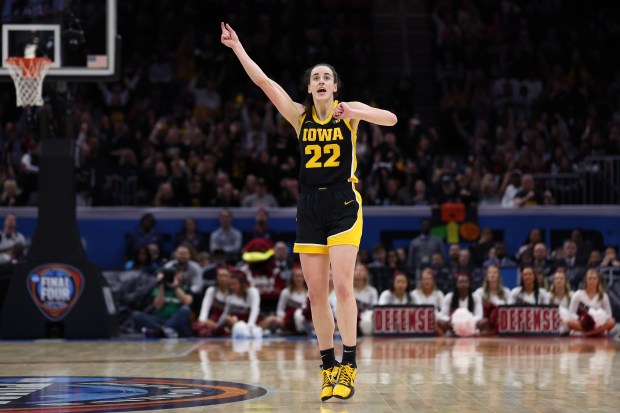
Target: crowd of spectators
159,292
184,126
265,269
527,87
522,92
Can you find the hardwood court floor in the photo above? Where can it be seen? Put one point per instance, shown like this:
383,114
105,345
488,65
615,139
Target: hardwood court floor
395,375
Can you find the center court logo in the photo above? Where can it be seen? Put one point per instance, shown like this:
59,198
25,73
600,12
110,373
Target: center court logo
116,394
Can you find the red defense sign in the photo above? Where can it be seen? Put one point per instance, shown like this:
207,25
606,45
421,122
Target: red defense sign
514,320
406,321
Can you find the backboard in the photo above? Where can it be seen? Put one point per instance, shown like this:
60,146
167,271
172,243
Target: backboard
79,36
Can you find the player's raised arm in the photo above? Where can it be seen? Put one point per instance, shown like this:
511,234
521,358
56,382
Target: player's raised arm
361,111
278,96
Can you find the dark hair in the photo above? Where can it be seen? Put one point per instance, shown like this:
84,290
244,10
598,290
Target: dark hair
536,286
219,268
378,247
184,225
398,272
190,248
393,253
455,294
136,257
146,216
308,101
237,274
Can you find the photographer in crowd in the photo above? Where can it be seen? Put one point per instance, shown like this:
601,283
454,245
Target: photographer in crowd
183,260
171,312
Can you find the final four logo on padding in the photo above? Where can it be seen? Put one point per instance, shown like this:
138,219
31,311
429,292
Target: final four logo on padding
116,394
55,288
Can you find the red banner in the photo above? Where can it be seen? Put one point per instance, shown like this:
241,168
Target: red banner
528,320
410,320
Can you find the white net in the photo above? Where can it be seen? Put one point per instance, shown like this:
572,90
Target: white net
28,75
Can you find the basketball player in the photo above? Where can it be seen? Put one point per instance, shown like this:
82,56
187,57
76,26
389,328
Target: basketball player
329,210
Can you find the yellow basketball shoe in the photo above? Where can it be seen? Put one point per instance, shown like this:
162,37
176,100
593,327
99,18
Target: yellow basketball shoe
328,376
345,385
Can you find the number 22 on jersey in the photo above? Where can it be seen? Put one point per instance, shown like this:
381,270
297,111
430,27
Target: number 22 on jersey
332,151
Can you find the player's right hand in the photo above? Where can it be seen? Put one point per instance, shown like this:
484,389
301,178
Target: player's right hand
229,37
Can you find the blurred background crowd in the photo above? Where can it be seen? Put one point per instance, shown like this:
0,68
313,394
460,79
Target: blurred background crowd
521,91
528,96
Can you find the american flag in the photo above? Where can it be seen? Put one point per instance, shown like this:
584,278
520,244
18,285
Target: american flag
97,61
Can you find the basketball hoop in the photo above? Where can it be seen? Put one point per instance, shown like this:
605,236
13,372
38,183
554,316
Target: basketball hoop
28,75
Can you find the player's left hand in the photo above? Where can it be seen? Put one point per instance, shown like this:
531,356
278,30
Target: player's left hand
342,111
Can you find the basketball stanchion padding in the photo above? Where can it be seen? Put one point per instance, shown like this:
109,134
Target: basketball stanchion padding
28,75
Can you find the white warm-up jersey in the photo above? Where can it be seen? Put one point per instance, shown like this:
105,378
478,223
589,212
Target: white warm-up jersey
447,303
290,300
213,303
581,297
367,298
435,298
517,294
564,302
244,308
387,297
494,298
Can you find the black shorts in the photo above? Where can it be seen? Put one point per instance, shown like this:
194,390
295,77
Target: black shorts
328,216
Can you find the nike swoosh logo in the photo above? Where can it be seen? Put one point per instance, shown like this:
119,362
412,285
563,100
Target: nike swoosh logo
348,202
308,121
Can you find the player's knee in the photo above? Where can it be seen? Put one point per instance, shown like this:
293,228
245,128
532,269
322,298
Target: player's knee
344,290
316,297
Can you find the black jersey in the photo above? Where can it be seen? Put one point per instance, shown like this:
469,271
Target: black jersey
327,150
